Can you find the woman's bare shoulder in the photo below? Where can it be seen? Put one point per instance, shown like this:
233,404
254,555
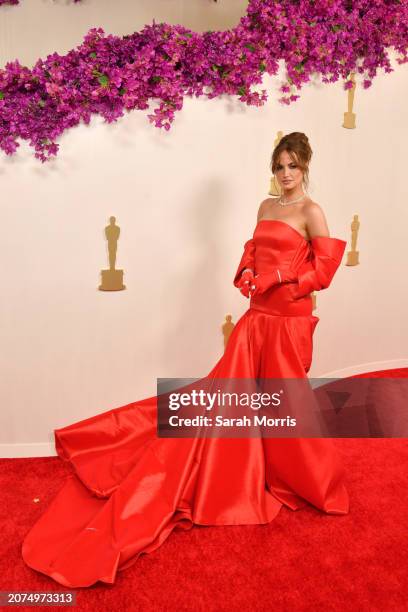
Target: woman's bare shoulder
315,219
311,205
312,210
265,206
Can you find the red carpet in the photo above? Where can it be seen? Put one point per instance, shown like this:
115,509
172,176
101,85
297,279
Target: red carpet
303,560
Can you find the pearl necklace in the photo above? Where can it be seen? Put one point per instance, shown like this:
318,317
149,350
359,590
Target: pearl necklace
282,203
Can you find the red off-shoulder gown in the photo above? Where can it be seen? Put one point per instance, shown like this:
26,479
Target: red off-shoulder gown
130,488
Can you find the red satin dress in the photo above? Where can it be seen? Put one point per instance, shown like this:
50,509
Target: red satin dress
130,489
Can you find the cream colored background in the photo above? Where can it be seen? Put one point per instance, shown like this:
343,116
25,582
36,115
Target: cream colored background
186,201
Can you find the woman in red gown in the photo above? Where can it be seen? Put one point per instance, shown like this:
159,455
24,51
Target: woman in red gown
129,488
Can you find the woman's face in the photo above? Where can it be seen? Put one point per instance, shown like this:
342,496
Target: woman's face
288,173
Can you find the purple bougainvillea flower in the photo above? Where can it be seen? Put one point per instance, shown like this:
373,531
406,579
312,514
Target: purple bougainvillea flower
161,64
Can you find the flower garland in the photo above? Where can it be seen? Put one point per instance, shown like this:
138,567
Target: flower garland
108,75
18,1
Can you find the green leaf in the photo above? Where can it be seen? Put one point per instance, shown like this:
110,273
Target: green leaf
93,54
103,80
41,103
242,90
122,91
250,46
262,67
1,95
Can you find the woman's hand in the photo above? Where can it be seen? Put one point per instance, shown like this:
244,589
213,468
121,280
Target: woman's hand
245,282
277,276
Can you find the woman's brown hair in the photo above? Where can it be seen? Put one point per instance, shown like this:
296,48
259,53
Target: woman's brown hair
298,147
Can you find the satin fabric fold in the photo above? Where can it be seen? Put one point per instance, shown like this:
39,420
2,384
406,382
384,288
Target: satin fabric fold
247,260
130,489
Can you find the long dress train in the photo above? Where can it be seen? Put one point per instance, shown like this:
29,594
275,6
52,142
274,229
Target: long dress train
130,489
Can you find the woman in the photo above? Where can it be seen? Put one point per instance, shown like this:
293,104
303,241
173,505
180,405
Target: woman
130,488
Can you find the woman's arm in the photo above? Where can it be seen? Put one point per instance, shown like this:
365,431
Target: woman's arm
325,254
248,258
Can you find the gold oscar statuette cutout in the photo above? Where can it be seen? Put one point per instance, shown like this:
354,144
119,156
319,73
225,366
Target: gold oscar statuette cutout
112,280
353,255
274,188
349,116
227,328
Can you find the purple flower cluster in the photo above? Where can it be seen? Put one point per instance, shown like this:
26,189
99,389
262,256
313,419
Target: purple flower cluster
108,75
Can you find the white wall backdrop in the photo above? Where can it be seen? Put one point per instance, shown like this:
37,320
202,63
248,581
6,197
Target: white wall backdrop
186,200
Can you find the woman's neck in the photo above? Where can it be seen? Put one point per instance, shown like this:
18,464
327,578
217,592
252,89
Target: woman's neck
292,194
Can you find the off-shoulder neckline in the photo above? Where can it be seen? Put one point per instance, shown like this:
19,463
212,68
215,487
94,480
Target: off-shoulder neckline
287,225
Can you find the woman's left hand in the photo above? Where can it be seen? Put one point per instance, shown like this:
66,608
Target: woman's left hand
263,282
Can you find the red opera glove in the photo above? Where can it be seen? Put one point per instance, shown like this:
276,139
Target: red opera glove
245,281
317,273
277,276
247,261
